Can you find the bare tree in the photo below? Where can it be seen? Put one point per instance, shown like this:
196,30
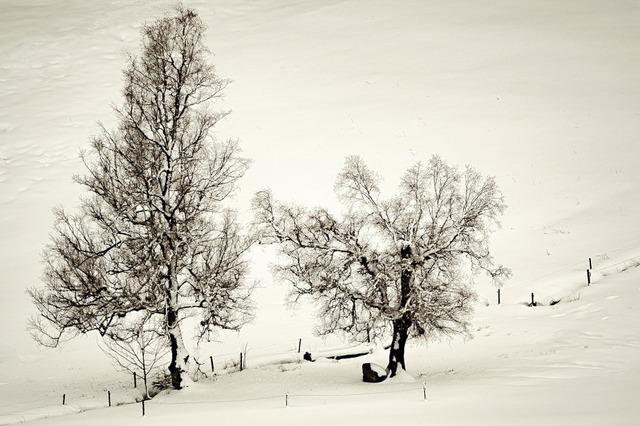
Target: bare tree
393,265
153,234
137,348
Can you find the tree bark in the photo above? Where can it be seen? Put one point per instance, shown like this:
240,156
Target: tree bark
396,351
179,354
401,325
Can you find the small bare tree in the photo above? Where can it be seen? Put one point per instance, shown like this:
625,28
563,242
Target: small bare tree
137,349
389,265
153,235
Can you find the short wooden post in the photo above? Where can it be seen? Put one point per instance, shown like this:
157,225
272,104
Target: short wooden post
143,412
286,399
424,391
241,366
135,380
588,277
109,397
590,265
299,344
498,296
533,302
64,399
211,359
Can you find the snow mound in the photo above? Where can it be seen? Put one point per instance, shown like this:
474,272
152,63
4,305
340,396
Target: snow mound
402,377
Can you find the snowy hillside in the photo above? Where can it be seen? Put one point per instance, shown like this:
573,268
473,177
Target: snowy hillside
571,363
543,95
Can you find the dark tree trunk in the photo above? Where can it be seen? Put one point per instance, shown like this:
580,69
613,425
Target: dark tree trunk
396,351
401,325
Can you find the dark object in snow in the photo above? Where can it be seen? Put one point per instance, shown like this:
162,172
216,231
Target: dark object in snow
308,357
347,356
373,373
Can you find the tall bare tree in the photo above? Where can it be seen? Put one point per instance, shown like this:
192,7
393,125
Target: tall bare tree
389,266
153,234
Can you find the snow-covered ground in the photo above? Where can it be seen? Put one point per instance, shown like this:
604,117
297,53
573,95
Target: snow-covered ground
571,363
542,94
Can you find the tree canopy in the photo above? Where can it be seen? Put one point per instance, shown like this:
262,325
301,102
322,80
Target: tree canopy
153,234
392,265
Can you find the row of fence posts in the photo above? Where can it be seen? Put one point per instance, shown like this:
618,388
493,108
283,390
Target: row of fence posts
286,396
533,301
64,398
135,376
135,385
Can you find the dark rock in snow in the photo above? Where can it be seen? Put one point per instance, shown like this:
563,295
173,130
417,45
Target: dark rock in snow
373,373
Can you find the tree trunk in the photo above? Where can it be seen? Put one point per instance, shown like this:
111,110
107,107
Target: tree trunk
396,351
146,386
179,355
401,325
144,373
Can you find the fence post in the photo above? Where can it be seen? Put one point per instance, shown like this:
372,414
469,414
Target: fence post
64,399
424,390
135,381
241,361
299,344
211,359
109,397
533,302
590,265
286,399
588,277
498,296
143,407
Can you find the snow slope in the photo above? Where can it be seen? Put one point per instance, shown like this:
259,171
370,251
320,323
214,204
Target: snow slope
571,363
542,94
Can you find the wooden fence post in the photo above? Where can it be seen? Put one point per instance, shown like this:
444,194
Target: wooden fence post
299,344
286,399
109,397
533,302
212,367
64,399
588,277
498,296
590,265
241,366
